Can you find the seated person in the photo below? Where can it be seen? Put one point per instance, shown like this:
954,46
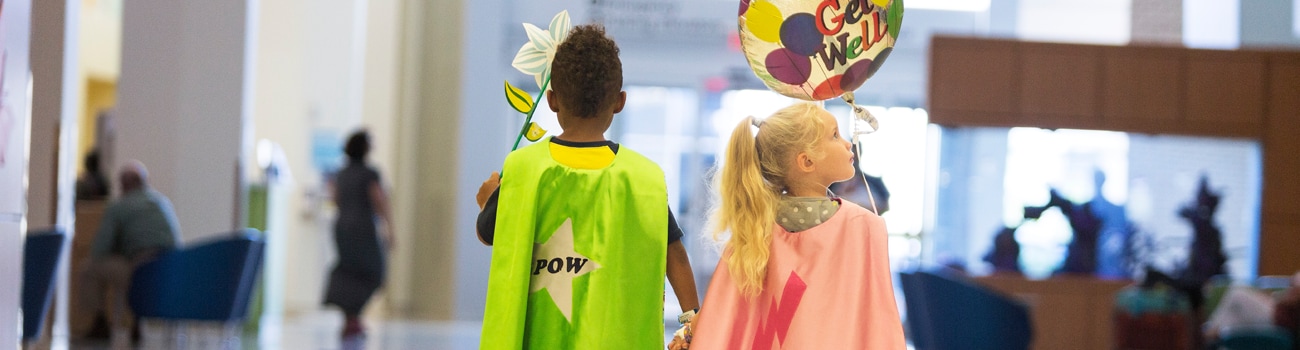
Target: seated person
135,229
1287,312
1247,308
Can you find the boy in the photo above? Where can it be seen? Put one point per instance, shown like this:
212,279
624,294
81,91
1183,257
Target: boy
580,255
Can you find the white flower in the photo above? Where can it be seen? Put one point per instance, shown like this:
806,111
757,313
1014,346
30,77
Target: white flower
534,58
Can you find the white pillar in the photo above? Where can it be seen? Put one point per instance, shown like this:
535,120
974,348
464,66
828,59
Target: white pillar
1157,22
184,101
56,91
425,197
15,116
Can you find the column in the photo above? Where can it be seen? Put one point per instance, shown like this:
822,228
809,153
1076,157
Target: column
185,98
425,202
52,170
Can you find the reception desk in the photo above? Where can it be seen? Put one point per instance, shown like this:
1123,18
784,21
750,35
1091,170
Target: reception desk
1067,312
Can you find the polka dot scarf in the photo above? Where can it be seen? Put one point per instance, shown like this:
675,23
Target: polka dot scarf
801,213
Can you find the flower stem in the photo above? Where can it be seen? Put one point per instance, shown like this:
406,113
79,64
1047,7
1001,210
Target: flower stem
528,121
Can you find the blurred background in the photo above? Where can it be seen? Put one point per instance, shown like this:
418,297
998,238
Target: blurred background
1040,119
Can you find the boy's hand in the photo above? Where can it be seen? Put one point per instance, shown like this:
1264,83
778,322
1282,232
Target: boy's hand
485,190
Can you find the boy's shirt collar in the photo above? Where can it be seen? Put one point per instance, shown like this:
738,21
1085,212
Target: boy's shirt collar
583,155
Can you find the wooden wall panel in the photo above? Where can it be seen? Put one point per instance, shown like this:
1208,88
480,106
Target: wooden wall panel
1225,87
1280,233
1278,243
1060,84
1246,94
977,80
1282,139
1141,85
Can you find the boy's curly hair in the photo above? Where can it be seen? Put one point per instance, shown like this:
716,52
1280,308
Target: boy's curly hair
586,73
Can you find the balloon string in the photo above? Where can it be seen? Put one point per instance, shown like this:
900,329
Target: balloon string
858,157
825,74
803,86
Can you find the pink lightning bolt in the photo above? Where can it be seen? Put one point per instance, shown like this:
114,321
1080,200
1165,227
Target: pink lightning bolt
780,314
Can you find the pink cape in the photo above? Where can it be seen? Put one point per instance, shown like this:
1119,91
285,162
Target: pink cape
828,287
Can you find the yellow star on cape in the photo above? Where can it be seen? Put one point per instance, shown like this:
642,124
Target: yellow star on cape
555,265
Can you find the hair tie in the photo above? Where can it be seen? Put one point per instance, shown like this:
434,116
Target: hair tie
756,122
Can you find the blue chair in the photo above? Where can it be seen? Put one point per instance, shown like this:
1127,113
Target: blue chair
40,261
1263,337
918,319
207,282
946,311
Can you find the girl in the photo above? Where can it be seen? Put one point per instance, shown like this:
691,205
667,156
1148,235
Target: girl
801,270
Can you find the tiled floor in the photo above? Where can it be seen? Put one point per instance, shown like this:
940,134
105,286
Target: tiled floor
315,332
319,331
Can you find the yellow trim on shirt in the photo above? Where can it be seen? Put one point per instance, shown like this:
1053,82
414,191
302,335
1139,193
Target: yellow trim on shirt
582,157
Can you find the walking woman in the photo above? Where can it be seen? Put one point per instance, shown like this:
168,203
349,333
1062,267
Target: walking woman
362,247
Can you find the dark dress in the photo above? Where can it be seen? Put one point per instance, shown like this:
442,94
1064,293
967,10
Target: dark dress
360,268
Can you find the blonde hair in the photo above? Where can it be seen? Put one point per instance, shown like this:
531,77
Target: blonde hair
752,179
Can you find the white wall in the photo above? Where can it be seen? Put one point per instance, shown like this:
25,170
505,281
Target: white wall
483,139
1268,24
280,115
15,97
327,67
184,99
379,113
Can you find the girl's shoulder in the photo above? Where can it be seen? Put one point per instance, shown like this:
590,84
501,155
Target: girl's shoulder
855,214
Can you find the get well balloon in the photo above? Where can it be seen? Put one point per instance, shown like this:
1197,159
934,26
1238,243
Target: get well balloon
818,49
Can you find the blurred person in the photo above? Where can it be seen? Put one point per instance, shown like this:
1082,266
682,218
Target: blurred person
362,246
1081,253
1101,231
135,229
1287,312
1005,255
1240,307
92,184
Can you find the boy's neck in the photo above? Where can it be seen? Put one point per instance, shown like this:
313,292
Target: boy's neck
581,136
584,129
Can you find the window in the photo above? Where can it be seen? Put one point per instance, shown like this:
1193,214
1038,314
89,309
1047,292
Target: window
1139,189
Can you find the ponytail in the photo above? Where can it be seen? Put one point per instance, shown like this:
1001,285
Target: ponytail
747,209
751,183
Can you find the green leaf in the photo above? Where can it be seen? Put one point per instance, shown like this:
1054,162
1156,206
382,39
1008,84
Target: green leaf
519,99
534,132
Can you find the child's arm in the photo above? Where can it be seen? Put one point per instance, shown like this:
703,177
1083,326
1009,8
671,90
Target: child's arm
681,277
683,281
487,216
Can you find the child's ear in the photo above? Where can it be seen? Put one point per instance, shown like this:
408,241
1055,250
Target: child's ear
551,102
620,101
804,163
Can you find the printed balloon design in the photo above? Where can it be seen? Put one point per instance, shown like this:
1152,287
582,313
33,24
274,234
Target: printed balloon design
818,49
